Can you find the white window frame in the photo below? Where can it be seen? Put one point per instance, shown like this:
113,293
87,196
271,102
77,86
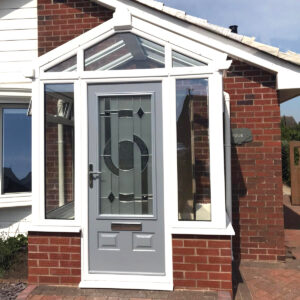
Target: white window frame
216,63
20,198
171,40
39,221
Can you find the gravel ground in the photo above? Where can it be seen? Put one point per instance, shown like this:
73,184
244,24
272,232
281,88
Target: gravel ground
10,291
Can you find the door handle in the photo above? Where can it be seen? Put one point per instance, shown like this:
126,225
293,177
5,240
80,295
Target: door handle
95,173
91,175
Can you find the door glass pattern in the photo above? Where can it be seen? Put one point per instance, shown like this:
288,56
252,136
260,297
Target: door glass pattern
124,51
125,151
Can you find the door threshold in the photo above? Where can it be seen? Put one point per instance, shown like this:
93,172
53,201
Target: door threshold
146,284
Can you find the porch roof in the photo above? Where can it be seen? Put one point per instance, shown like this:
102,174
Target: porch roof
289,56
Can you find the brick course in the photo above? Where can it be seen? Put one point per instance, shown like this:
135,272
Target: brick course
59,21
202,262
54,258
256,166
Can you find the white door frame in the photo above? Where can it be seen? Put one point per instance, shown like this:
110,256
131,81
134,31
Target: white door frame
110,280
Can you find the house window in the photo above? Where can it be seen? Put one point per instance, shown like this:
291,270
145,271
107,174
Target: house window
59,151
124,51
193,168
16,150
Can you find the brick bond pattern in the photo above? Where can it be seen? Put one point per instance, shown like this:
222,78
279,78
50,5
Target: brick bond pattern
54,258
59,21
256,166
202,262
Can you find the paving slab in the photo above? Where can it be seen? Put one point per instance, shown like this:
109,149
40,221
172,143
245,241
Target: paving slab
73,293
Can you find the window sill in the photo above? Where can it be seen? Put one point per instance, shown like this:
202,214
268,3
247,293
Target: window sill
49,228
15,200
203,231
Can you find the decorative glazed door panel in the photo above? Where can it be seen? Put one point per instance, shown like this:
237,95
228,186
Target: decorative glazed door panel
126,226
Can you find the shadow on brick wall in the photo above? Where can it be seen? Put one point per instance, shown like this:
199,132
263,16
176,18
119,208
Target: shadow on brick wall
238,190
291,218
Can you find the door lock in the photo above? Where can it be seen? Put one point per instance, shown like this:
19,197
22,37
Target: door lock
91,175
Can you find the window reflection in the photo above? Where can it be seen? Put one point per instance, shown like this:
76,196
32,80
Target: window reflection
16,156
59,151
68,65
179,60
193,149
124,51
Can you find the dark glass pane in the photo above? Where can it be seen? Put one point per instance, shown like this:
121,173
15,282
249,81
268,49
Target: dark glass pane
68,65
59,151
193,149
126,155
16,150
124,51
180,60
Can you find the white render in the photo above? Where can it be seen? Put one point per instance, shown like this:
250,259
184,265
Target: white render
14,221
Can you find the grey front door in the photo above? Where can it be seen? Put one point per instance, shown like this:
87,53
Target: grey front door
126,224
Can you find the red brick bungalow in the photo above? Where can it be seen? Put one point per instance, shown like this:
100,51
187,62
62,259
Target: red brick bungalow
134,184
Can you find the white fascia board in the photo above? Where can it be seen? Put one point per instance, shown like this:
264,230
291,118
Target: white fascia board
288,74
288,80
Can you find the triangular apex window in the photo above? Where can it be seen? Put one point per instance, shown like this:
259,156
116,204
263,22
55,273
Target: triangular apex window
68,65
180,60
124,51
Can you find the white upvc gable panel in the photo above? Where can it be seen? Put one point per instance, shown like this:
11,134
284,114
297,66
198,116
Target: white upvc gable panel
13,14
18,24
18,45
18,35
15,67
18,42
17,4
18,56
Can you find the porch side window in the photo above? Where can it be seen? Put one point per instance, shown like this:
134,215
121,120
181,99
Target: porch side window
59,151
194,200
16,150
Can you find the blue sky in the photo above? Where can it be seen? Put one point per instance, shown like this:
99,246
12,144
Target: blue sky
274,22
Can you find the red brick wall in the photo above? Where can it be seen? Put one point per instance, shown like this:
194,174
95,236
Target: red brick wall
54,258
256,166
60,21
202,262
